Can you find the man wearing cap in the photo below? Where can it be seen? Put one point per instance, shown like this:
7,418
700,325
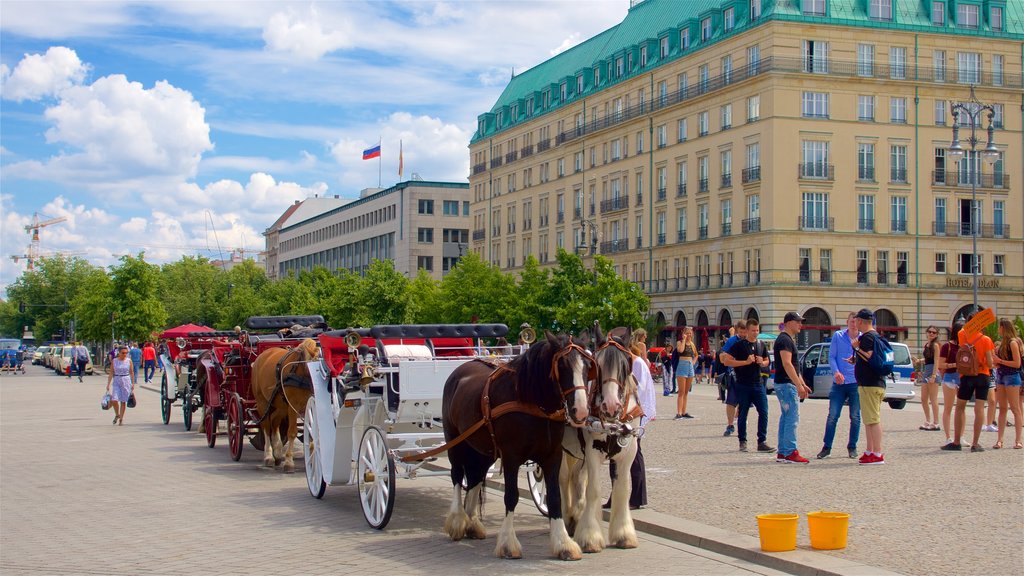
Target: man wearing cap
844,387
789,389
870,388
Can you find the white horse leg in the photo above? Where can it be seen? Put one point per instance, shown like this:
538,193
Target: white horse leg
508,545
572,479
278,447
562,546
621,532
588,533
268,451
474,506
456,522
289,454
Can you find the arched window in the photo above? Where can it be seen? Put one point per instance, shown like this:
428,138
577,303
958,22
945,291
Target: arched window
817,327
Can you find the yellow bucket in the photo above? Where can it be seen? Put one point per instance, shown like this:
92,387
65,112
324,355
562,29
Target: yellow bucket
828,529
777,531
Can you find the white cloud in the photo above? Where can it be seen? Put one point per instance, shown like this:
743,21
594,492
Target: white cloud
566,44
39,76
304,38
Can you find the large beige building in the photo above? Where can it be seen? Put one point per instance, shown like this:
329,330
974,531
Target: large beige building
745,158
417,224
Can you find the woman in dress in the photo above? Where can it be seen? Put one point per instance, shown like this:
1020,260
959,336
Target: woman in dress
684,371
122,377
1007,361
931,380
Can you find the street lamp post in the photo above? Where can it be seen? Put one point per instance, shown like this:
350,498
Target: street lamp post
973,110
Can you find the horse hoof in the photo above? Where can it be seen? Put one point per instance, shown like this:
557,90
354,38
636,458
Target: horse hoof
570,555
456,525
289,468
509,554
268,462
592,548
626,543
475,530
277,462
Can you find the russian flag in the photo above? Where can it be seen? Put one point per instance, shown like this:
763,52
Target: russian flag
370,153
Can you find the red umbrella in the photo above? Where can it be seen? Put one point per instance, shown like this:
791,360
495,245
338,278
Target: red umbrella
183,330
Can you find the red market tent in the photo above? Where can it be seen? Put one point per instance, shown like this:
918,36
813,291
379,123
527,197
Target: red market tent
183,330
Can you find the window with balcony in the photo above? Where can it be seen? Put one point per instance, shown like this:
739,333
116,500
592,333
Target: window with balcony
997,69
752,173
865,108
662,134
968,67
825,265
814,212
702,123
703,173
681,225
862,266
726,117
865,213
726,216
865,162
702,221
999,218
939,65
898,164
815,56
902,268
882,266
725,159
704,76
681,179
866,60
898,214
939,221
815,105
815,160
681,130
897,63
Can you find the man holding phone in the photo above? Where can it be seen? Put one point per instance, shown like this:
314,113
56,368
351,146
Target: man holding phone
746,357
844,387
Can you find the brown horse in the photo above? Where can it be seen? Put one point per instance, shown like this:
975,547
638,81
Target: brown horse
281,386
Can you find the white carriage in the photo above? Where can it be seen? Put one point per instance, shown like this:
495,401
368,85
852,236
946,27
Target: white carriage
377,400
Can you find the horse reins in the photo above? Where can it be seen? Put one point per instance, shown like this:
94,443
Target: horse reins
636,412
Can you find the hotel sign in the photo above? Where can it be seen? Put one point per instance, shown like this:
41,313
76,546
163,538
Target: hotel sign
983,283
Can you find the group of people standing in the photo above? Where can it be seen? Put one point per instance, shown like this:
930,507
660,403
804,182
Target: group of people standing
144,356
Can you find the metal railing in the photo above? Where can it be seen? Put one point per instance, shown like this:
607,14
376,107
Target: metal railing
702,232
613,246
998,181
865,225
703,185
816,171
614,204
751,225
681,236
752,174
726,180
898,175
816,223
681,191
898,226
866,173
726,229
662,194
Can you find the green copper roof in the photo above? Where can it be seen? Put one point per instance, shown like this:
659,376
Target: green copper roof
650,20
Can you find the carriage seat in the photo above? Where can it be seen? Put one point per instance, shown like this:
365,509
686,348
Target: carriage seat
279,322
394,353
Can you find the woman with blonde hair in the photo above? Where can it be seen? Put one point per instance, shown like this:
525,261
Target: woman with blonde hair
931,380
684,371
1007,361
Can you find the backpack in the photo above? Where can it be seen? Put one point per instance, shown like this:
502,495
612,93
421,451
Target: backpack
882,359
967,360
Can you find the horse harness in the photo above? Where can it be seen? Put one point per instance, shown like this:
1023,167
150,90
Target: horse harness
492,413
290,380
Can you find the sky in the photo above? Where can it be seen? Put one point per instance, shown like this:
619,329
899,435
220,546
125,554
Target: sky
187,127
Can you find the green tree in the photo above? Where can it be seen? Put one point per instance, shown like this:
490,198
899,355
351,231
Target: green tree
92,307
140,313
192,290
46,293
586,296
384,295
534,300
475,290
424,297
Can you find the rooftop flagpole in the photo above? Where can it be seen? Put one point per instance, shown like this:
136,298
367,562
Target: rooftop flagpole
380,161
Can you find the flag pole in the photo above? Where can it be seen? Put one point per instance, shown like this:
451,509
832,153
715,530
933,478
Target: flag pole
380,160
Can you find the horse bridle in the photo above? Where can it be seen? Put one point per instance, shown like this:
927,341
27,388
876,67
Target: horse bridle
559,355
620,416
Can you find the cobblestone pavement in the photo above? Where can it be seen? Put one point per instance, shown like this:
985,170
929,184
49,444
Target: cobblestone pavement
925,512
80,496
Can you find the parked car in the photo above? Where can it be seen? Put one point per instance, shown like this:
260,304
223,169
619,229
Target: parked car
899,387
50,360
62,364
37,356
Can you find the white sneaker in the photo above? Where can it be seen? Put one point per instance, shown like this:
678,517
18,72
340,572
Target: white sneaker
989,428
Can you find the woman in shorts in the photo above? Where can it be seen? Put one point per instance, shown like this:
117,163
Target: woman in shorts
945,364
930,380
684,371
1007,361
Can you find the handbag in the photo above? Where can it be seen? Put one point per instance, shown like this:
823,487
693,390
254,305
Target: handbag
131,400
105,402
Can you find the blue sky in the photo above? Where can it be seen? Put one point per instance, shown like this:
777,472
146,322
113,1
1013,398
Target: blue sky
167,126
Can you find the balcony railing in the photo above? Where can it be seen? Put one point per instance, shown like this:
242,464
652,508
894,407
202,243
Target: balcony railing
703,185
479,234
726,229
526,151
478,168
816,223
862,277
805,274
751,225
726,180
544,220
681,236
816,171
825,276
882,278
662,194
901,278
681,191
615,204
543,145
898,175
865,225
702,232
639,198
613,246
495,162
639,242
752,174
560,217
998,181
898,226
661,239
577,213
866,173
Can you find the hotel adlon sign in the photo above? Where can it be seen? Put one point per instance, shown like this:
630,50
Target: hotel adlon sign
983,283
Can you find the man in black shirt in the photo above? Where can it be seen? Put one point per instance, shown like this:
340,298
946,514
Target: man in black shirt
747,357
870,387
789,389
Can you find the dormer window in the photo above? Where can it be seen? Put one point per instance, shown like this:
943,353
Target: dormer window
529,106
501,119
563,91
597,75
643,56
729,19
664,47
705,29
996,19
619,64
515,113
480,127
579,84
812,7
880,10
967,16
939,13
684,39
755,9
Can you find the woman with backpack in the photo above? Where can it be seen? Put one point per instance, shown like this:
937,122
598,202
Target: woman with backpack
1007,361
945,364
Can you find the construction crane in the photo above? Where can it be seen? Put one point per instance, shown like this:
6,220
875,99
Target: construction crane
33,253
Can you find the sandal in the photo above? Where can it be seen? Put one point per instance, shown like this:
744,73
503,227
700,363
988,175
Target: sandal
998,445
1018,446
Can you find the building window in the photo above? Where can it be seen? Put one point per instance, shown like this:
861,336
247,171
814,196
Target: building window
938,13
902,265
804,263
825,264
664,47
451,207
968,67
620,67
940,112
998,215
754,156
726,216
862,266
898,110
997,115
815,160
865,213
726,116
426,206
963,265
940,216
815,56
683,83
727,69
681,225
940,263
705,29
866,162
997,69
704,73
684,38
563,91
729,19
995,19
882,266
897,63
681,130
898,164
812,7
815,211
815,105
865,108
702,173
726,161
643,56
967,15
702,221
998,264
753,108
702,123
662,132
880,10
866,60
755,9
425,263
898,214
939,63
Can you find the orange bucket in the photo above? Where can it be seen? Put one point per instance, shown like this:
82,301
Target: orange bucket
777,532
828,529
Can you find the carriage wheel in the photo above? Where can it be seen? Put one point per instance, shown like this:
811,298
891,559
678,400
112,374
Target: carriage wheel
165,402
538,489
375,476
210,423
187,410
236,426
311,455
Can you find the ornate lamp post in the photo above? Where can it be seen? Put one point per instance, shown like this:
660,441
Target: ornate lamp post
972,110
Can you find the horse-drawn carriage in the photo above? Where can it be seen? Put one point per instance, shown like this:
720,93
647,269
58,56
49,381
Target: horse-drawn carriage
178,360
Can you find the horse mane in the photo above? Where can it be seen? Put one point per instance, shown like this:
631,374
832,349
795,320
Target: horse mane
611,362
533,372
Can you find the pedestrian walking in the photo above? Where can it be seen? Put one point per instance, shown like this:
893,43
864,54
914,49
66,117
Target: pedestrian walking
930,379
870,387
1008,383
120,383
81,359
974,385
789,389
684,371
668,377
728,376
747,357
135,353
844,388
149,357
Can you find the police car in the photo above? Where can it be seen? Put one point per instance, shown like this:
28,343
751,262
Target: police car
899,387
